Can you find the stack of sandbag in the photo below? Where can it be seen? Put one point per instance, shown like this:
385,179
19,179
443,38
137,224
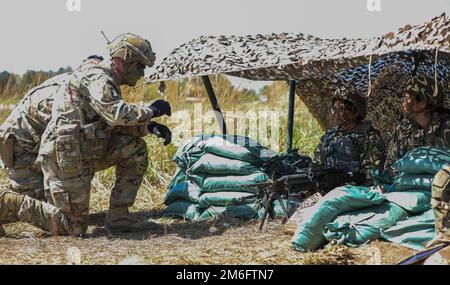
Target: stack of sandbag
417,168
356,215
211,172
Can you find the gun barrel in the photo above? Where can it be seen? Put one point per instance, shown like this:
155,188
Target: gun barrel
258,185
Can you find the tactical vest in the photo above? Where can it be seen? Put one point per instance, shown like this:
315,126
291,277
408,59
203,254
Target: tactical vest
440,201
343,152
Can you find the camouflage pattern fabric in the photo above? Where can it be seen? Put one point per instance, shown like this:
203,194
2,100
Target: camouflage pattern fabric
93,101
426,88
321,65
408,136
16,207
68,208
441,203
357,150
24,127
131,47
352,96
81,138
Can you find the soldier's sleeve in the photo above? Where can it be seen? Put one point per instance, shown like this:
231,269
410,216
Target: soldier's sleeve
106,100
373,154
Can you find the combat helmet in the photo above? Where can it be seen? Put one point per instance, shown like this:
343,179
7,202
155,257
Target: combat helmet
426,88
130,48
352,96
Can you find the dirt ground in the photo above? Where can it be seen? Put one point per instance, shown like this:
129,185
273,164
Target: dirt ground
226,241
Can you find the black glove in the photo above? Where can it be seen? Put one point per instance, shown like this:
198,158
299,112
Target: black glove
160,108
161,131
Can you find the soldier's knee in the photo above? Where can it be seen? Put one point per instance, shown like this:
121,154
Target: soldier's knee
141,154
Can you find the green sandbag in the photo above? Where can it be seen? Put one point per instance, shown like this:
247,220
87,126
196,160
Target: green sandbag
198,179
413,182
423,160
189,153
238,148
183,209
230,146
178,177
309,233
224,199
380,177
414,232
415,202
359,227
241,211
233,183
216,165
183,191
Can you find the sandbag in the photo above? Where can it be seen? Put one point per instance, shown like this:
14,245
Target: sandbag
229,146
216,165
238,148
178,177
182,209
240,211
198,179
413,182
183,191
423,160
233,183
224,199
415,232
309,233
359,227
189,153
414,202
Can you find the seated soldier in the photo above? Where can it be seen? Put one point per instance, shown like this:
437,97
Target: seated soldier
425,122
353,144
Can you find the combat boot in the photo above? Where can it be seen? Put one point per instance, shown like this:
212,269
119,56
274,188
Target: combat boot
119,220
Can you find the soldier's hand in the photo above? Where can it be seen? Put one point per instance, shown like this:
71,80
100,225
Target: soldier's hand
161,131
161,108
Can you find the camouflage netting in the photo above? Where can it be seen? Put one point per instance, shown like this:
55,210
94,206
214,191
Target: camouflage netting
319,65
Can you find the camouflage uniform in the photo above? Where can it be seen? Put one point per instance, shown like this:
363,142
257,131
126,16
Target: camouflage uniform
357,150
441,203
20,136
409,135
91,129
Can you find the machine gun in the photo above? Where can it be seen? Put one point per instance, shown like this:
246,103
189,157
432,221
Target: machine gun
300,186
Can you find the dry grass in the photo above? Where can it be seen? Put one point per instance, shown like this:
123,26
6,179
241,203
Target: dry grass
224,241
